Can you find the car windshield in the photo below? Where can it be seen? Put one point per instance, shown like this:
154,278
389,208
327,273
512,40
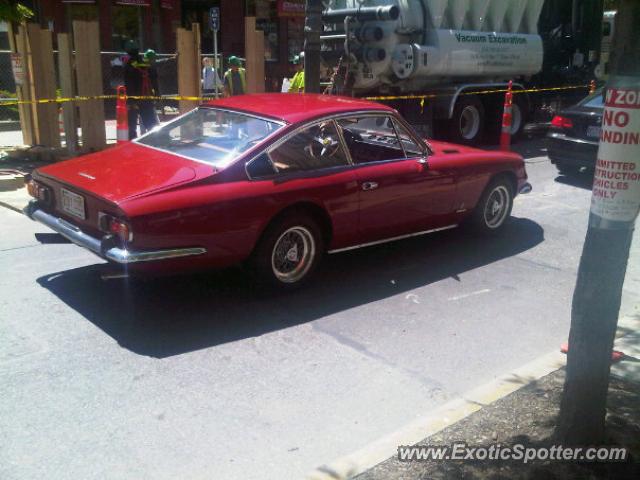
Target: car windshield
210,135
593,101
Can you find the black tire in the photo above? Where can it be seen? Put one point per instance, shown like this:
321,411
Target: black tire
494,207
518,111
294,231
468,122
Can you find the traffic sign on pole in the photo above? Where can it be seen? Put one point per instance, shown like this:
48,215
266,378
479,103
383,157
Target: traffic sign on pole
214,18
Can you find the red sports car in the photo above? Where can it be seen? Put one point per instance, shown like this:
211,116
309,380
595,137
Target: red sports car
275,180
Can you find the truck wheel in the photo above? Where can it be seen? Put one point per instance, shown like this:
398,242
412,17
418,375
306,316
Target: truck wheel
467,124
288,252
518,119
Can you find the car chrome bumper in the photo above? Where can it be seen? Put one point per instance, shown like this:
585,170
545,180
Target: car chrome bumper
526,188
100,247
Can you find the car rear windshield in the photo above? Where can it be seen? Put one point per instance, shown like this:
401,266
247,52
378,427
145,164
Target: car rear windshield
594,101
210,135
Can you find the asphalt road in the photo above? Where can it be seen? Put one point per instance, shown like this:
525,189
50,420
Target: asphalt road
202,377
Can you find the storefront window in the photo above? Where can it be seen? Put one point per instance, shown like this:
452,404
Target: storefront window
267,21
127,22
82,11
295,27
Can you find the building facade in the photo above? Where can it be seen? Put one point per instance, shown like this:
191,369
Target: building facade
153,24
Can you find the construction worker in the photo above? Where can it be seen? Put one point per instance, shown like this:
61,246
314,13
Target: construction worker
235,79
140,79
297,82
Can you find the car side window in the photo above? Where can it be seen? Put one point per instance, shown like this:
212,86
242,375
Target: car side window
411,148
315,147
371,138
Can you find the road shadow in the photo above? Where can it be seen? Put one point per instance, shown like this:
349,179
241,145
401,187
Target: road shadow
173,315
528,147
582,180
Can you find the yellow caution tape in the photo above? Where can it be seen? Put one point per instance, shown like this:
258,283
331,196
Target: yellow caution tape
422,98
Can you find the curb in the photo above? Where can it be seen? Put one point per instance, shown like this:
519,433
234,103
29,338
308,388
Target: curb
450,413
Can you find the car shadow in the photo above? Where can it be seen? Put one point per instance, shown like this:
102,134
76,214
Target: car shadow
169,316
528,147
579,179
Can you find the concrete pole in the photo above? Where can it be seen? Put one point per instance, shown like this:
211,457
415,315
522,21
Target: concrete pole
615,203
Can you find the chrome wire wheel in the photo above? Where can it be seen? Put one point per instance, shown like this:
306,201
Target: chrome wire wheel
497,207
293,254
469,122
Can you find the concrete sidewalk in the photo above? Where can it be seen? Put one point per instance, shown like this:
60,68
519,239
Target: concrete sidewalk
504,410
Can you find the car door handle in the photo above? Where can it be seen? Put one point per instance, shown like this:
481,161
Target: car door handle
369,185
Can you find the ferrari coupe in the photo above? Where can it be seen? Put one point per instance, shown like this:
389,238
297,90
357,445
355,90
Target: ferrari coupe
274,181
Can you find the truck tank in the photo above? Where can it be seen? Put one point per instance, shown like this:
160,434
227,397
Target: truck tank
435,41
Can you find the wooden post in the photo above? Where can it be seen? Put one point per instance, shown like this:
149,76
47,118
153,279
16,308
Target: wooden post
254,55
188,47
18,46
67,86
43,86
86,38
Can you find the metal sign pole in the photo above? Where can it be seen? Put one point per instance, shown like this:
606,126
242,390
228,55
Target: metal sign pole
214,20
216,63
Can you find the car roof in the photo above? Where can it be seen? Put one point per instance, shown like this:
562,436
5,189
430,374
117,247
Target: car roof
295,107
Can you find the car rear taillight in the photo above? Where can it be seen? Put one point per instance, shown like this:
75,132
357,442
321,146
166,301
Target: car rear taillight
115,226
561,122
39,191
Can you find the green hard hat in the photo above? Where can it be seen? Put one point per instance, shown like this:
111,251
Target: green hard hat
235,61
151,54
296,60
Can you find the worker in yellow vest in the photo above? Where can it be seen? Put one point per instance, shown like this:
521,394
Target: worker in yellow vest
297,82
235,79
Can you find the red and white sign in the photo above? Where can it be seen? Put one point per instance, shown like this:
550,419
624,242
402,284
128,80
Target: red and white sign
616,182
17,66
291,8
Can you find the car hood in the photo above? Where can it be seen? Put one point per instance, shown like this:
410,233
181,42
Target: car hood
126,171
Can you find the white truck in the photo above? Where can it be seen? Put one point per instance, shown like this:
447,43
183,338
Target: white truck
452,51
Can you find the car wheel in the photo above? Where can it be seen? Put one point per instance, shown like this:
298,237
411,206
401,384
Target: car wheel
288,252
467,124
494,207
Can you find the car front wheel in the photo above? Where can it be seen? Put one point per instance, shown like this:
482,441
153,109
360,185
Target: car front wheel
494,207
288,252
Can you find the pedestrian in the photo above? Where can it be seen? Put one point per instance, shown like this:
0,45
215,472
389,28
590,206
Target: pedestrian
210,80
235,79
140,80
297,82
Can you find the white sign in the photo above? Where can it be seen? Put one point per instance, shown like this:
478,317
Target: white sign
18,68
616,183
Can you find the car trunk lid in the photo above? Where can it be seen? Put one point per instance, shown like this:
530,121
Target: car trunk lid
121,173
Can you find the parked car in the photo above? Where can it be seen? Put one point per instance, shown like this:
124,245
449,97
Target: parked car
574,135
274,180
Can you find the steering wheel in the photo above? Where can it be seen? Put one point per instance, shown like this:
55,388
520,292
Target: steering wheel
323,146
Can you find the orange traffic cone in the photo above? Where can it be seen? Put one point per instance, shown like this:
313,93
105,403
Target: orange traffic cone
505,136
122,120
592,87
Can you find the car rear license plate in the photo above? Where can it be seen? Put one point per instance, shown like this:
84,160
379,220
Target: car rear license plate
73,203
593,131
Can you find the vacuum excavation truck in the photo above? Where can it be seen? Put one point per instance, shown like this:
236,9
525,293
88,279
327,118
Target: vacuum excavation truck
455,53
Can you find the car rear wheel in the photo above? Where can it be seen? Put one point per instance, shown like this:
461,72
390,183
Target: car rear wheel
494,208
288,252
